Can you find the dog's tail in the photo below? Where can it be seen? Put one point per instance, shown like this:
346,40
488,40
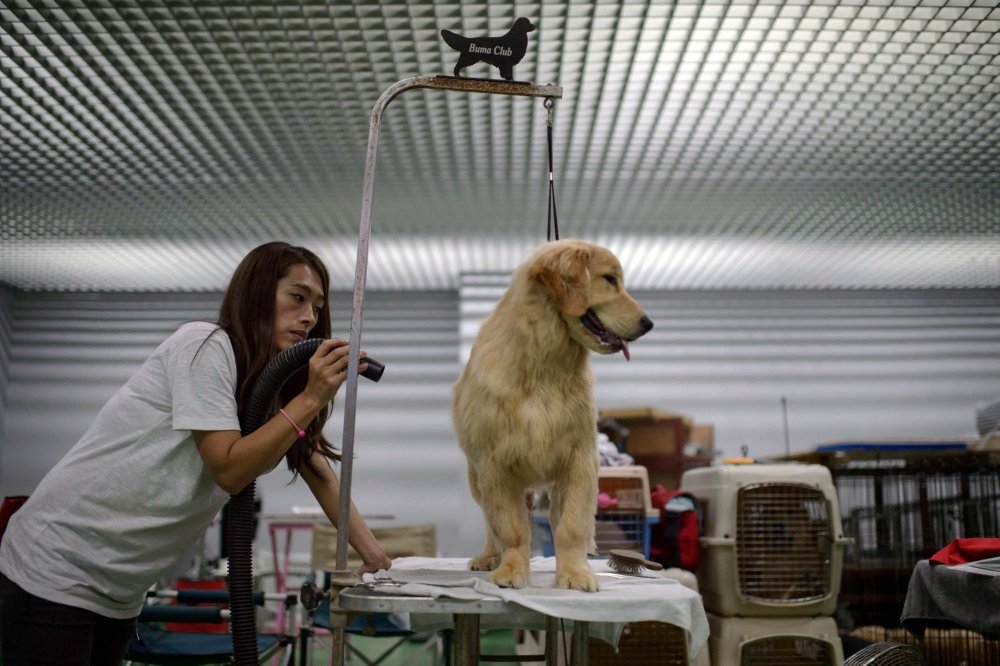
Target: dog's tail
456,42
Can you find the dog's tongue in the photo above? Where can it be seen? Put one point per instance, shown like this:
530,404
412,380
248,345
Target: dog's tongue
625,349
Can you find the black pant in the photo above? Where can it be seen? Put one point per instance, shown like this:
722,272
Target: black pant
36,632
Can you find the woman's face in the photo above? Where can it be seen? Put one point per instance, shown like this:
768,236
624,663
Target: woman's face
298,301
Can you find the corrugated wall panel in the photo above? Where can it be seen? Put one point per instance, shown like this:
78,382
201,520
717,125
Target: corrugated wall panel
6,317
70,352
850,364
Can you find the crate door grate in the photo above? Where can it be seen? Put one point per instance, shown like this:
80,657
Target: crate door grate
783,543
787,651
641,644
624,524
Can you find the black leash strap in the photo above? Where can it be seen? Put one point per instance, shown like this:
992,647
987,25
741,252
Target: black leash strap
553,221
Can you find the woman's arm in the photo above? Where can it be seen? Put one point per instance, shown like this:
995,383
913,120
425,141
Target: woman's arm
235,461
325,486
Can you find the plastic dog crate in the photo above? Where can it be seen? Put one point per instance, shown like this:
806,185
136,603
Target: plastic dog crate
773,541
774,641
624,524
644,643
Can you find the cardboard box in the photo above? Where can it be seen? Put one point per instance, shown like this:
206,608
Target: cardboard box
702,439
668,471
652,431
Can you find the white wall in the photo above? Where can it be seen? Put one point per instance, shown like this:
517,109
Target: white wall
6,317
70,352
893,364
851,364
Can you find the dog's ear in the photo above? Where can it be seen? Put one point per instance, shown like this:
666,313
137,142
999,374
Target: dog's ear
565,273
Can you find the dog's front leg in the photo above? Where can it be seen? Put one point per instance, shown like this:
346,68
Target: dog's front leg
510,523
574,502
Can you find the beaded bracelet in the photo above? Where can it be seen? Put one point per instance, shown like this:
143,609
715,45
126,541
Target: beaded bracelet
302,433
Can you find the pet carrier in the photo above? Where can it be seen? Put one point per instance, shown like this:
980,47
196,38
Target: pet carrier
623,518
643,643
886,654
774,641
773,542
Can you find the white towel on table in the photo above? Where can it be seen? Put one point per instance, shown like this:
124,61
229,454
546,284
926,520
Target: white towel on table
621,599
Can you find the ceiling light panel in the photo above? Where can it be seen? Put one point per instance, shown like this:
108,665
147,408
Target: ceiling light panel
801,125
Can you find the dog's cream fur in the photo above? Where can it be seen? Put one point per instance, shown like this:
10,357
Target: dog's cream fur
524,411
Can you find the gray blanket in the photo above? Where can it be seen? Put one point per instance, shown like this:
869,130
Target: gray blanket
940,594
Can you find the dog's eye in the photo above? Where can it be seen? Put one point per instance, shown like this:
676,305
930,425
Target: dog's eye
612,280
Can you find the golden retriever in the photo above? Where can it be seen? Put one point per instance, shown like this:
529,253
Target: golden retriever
523,409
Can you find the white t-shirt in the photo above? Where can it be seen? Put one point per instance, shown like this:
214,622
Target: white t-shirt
133,495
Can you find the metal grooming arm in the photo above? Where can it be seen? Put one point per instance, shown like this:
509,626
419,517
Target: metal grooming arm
342,577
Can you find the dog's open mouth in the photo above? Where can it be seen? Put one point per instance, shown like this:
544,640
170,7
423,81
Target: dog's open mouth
608,339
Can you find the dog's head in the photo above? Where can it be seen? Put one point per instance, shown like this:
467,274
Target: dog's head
586,286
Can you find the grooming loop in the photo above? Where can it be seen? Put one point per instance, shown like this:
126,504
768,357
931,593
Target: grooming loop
553,218
361,269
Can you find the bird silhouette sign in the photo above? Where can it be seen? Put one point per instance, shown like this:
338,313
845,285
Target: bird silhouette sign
502,52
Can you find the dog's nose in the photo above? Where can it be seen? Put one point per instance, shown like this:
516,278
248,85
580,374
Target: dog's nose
647,324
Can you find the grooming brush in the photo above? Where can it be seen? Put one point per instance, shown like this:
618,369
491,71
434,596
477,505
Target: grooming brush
630,562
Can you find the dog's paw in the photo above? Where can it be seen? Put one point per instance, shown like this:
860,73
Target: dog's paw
484,562
577,579
511,576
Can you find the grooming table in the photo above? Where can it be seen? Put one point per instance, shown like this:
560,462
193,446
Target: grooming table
441,593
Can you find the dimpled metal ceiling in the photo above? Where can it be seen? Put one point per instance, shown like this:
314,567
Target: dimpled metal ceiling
147,145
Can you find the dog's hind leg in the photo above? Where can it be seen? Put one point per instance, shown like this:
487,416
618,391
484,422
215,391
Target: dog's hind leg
573,504
489,558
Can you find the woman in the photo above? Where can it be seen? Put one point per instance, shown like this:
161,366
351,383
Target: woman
163,456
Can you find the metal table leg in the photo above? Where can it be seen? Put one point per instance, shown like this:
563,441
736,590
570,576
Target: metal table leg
551,641
580,644
466,639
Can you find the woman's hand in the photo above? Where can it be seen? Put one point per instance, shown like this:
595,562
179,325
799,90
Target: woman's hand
374,562
328,370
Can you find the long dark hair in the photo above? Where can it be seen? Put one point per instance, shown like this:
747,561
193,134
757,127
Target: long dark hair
247,316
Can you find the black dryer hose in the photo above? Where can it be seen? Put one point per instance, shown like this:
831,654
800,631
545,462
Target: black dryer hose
239,532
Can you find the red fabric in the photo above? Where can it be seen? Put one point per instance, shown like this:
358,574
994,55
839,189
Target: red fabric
962,551
10,505
674,540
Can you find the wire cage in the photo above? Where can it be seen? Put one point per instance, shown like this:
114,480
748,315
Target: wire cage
901,508
901,504
774,641
773,543
626,520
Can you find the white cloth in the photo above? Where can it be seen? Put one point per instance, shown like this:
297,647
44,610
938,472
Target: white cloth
621,599
132,495
610,455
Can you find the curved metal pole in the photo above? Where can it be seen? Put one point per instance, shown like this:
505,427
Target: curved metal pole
361,267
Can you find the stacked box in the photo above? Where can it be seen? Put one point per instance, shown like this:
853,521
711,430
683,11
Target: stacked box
658,440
